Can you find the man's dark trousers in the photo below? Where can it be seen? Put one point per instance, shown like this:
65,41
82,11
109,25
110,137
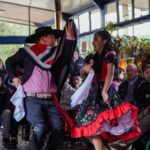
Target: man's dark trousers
47,123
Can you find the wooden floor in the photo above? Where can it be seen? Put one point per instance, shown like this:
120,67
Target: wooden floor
24,145
80,144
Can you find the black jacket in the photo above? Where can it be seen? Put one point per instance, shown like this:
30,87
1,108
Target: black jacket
143,94
76,66
4,98
124,87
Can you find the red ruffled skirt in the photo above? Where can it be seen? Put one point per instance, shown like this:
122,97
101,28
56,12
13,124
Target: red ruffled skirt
95,118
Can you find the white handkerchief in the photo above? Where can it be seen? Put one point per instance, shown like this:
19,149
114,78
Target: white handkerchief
83,91
17,100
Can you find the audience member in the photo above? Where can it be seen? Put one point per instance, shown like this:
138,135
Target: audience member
66,92
76,81
5,113
128,88
77,63
118,78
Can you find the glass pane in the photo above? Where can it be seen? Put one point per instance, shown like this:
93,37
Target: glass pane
111,13
126,31
8,50
95,19
11,29
114,33
141,8
85,44
142,30
125,10
76,22
84,22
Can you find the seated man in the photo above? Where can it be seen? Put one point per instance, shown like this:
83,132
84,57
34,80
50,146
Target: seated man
5,113
128,88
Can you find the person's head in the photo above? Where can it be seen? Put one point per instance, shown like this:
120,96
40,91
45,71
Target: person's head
102,41
76,54
77,81
44,35
119,74
102,44
147,73
1,64
48,40
132,71
146,68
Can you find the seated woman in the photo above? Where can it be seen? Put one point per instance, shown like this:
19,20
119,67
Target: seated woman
118,78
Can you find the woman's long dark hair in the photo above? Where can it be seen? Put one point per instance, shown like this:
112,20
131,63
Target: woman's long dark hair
98,59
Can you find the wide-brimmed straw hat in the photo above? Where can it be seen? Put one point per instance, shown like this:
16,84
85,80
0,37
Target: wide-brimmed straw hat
41,32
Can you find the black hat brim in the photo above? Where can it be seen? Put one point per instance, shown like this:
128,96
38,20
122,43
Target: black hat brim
33,38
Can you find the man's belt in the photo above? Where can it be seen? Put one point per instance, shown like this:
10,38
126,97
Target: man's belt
40,95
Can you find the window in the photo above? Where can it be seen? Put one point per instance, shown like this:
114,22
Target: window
114,33
111,13
85,44
12,29
126,31
125,10
95,19
84,22
141,8
7,50
142,30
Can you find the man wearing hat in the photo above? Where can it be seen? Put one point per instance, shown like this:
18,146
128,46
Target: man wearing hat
45,70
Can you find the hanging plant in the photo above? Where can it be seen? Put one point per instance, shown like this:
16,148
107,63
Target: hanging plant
110,27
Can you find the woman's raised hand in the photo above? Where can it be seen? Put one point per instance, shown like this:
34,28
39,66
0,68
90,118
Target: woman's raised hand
70,29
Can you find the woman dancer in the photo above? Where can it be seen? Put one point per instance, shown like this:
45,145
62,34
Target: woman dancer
103,115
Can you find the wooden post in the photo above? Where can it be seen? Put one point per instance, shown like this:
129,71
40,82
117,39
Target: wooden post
58,13
29,19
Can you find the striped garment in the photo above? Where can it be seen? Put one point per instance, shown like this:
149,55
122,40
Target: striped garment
43,55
